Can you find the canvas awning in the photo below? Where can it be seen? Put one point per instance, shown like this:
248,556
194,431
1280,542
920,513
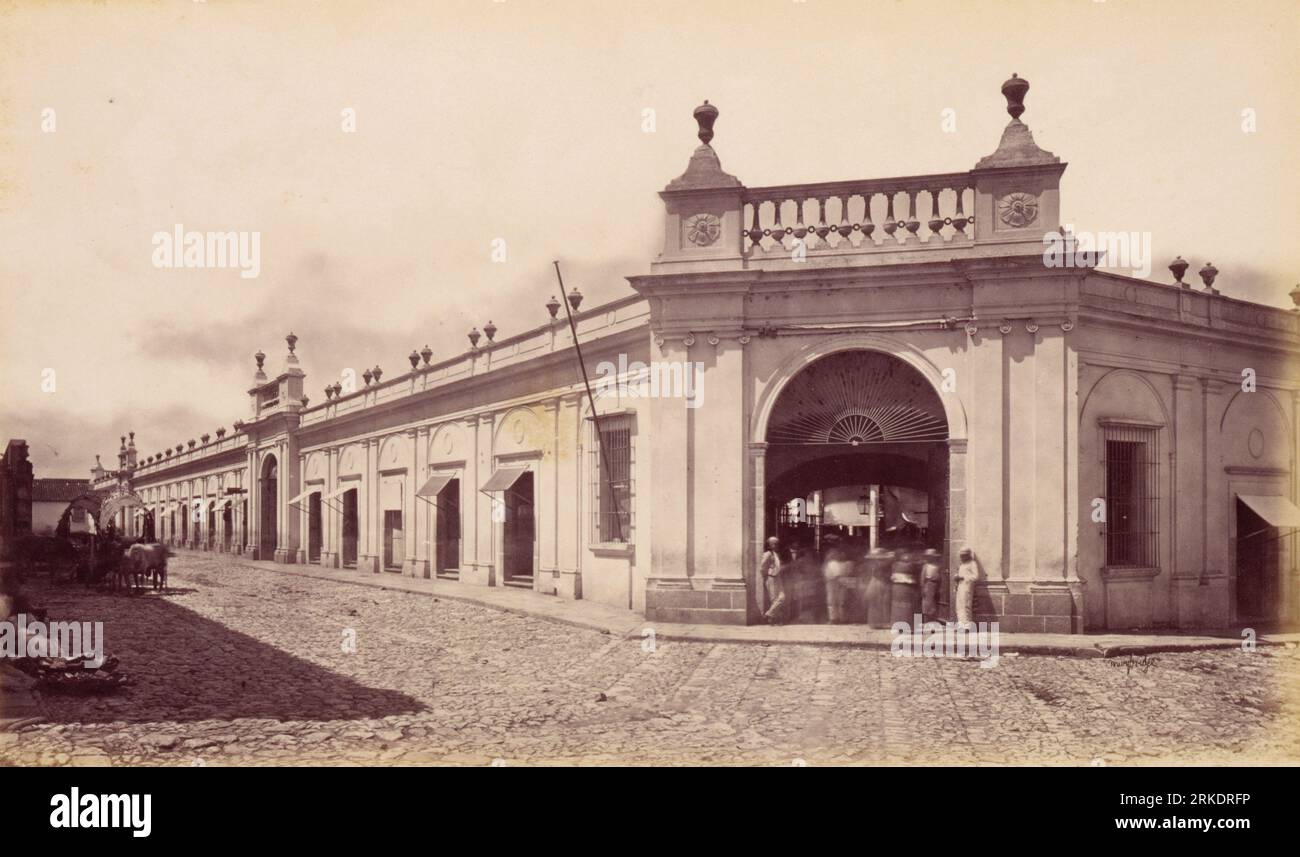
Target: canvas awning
434,486
303,496
340,491
503,478
1276,510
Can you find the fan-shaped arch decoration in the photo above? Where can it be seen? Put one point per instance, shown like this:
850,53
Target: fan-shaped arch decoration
858,397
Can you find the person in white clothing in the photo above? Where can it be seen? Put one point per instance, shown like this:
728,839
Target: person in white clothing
769,574
967,573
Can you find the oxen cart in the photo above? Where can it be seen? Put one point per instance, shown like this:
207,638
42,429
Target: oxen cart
140,562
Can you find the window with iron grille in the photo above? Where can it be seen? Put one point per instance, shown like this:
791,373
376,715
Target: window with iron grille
1132,467
612,488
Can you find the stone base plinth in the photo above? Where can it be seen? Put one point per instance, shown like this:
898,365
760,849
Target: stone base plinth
1202,601
416,568
704,601
1027,606
284,556
568,584
477,574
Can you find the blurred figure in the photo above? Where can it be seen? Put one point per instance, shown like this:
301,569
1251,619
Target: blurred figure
931,584
967,573
769,570
877,567
837,573
795,583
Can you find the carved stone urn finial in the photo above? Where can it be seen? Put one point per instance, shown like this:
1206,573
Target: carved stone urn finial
1017,147
1295,299
1178,267
292,340
260,358
704,169
1014,89
706,114
1208,273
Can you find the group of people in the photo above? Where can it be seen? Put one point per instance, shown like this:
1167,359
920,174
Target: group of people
846,582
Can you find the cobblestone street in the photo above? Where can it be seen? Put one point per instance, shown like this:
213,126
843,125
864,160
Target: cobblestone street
238,665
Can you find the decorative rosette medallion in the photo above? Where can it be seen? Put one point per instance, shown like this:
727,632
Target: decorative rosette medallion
1018,209
703,229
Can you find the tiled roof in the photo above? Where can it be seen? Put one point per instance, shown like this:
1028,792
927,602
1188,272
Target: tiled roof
57,490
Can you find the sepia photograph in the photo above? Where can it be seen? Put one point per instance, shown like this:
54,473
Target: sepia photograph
411,384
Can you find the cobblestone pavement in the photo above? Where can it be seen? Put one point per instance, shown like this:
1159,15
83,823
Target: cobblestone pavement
238,665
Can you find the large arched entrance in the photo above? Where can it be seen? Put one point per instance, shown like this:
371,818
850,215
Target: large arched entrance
269,503
855,455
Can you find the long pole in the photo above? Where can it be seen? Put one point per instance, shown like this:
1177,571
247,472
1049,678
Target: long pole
591,400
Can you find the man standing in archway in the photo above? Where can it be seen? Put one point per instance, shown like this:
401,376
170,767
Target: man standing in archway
769,582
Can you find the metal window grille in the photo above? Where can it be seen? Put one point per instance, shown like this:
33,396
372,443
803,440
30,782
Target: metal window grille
612,492
1132,468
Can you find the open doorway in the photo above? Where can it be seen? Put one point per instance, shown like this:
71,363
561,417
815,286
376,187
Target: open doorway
314,533
350,528
447,531
394,540
1258,552
267,536
519,533
856,465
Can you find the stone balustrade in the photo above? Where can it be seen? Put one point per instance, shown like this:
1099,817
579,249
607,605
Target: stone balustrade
859,216
1005,205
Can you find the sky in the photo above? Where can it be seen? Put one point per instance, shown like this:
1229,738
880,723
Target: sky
525,122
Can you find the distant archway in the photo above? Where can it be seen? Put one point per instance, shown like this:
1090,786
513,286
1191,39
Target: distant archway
269,503
91,503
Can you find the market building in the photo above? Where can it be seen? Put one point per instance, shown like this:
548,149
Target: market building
864,355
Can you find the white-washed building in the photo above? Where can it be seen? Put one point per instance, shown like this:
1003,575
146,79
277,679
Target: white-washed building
1117,452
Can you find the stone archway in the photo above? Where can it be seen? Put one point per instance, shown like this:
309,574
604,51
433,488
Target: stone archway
857,405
